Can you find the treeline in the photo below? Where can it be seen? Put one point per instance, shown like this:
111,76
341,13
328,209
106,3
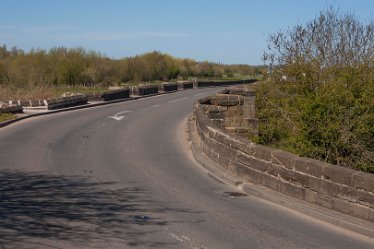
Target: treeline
70,67
318,101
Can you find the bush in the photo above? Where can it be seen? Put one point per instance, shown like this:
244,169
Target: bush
319,100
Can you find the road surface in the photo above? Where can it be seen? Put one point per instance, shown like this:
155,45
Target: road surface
121,176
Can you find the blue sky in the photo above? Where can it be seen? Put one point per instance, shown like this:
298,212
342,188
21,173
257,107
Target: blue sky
220,31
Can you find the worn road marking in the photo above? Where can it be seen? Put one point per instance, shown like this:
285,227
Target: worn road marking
177,100
117,115
200,94
189,241
151,107
176,237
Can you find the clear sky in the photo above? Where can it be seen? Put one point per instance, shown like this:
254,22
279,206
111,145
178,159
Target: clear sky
215,30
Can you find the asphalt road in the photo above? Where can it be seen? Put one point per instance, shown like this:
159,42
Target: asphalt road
121,176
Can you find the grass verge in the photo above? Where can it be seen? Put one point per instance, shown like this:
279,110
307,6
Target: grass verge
6,117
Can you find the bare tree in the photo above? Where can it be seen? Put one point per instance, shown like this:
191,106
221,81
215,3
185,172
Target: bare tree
329,43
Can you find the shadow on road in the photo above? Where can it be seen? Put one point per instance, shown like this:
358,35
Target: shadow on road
76,210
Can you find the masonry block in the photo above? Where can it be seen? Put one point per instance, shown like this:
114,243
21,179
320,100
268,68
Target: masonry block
252,162
338,174
271,182
292,190
283,158
363,180
309,166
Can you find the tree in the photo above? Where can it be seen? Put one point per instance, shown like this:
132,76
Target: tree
324,107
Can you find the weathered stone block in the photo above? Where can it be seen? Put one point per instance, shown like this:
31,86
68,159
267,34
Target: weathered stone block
218,122
224,162
216,115
347,193
292,190
359,210
341,205
363,180
371,214
271,182
262,152
169,86
310,196
330,188
252,162
316,184
233,111
309,166
210,153
211,133
338,174
222,139
367,197
294,176
237,168
229,122
238,121
324,200
241,131
251,175
283,158
272,169
186,85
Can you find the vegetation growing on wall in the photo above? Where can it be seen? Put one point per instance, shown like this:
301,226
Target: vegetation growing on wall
318,100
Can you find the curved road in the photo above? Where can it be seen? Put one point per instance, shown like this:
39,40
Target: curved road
121,176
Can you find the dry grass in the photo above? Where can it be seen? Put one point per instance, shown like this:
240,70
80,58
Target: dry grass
42,92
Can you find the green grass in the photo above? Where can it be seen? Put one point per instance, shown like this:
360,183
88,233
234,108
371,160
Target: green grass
6,116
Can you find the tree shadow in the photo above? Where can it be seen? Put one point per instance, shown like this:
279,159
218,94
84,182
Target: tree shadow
76,209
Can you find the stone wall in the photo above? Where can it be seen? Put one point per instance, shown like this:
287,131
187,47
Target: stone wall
10,108
169,86
185,84
205,83
331,186
64,102
145,89
232,110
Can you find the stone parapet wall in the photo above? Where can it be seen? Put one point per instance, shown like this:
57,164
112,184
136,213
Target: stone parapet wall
65,102
232,112
145,89
331,186
10,108
169,86
186,84
122,93
205,83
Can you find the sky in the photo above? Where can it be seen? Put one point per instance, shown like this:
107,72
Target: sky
221,31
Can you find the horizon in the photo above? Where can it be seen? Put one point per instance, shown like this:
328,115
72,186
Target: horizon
215,31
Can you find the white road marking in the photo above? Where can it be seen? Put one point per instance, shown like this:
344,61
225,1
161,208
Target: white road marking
199,94
186,238
189,241
177,100
151,107
176,237
117,115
